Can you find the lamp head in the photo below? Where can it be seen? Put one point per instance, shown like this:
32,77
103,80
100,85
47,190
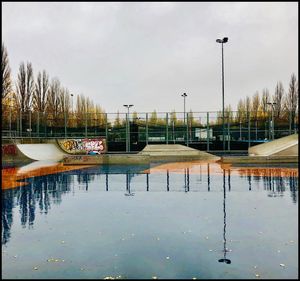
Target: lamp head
219,41
225,39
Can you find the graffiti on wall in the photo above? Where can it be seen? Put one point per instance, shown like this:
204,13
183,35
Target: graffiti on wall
9,149
84,146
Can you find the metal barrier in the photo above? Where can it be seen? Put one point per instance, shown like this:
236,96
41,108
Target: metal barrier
205,128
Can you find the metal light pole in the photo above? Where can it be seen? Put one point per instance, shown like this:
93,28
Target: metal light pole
222,41
272,106
128,129
184,95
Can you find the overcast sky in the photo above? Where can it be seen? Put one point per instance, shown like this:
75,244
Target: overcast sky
148,54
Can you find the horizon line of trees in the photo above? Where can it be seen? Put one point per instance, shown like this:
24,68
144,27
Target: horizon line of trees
55,102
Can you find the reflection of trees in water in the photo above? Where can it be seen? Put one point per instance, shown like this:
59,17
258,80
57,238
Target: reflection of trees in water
275,181
40,193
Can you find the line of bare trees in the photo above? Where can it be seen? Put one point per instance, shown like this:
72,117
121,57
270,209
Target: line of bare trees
48,102
43,98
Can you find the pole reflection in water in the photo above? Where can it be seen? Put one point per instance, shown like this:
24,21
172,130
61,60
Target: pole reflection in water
128,179
168,181
225,250
147,177
208,178
186,180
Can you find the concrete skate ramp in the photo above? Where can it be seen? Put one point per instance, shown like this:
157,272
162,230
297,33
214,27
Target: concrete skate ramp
286,146
176,152
42,151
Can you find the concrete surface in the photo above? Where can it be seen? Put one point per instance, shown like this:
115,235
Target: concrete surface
175,152
286,146
42,151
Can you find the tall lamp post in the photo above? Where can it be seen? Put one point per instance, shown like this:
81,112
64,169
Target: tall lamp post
222,41
128,129
272,127
184,95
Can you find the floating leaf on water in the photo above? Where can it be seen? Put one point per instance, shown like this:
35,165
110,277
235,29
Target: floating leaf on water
282,264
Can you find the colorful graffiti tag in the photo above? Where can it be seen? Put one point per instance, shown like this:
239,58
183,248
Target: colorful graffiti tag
84,146
9,149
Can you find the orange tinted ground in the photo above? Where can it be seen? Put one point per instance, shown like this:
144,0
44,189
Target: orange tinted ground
197,167
14,177
11,176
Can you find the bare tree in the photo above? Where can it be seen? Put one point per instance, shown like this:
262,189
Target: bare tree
278,100
25,87
6,73
255,105
291,99
41,92
264,101
53,102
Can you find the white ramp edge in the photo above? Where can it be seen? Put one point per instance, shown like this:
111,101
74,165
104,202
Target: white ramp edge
275,146
41,151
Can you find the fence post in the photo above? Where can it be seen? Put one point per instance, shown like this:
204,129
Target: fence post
65,117
207,130
167,128
106,129
187,129
228,133
249,134
85,124
290,123
38,124
21,123
10,120
29,123
146,128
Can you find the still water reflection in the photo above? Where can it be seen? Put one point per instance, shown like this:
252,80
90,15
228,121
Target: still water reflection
23,204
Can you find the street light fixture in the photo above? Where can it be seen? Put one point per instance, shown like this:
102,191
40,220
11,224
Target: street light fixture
128,129
184,95
222,41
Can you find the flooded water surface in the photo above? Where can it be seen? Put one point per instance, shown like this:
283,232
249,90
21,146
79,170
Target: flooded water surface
178,220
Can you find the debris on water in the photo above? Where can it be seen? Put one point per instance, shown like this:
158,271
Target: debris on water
210,250
63,242
282,264
15,256
194,278
167,258
35,268
257,275
255,266
206,237
157,238
154,277
278,251
291,241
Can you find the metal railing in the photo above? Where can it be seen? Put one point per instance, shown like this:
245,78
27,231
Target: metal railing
205,128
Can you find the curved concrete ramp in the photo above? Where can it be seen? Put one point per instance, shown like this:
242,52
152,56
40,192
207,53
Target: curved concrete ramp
176,151
42,151
286,146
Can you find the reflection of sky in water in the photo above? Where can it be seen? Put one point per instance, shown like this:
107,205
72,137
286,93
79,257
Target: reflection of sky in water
180,220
